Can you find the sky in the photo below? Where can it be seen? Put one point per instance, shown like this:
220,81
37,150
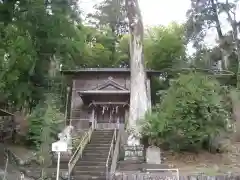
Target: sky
162,12
154,12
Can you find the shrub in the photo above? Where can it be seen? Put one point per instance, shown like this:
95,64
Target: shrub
45,122
190,114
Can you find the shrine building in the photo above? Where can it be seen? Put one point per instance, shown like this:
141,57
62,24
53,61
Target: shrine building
100,96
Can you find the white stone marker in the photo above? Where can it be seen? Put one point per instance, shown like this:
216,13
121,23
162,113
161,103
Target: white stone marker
153,155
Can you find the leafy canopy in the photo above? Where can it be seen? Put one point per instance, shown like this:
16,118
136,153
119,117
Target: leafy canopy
164,46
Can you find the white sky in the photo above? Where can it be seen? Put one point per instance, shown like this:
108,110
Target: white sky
154,12
160,12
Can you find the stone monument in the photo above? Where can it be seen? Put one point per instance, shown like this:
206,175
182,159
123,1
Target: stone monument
66,135
133,149
153,155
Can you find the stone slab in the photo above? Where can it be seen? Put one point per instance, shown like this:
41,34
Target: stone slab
153,155
134,152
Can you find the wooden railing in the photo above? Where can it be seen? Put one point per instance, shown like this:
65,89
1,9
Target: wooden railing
110,153
79,151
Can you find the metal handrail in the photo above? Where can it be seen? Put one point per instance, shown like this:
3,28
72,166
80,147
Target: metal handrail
78,153
110,153
116,153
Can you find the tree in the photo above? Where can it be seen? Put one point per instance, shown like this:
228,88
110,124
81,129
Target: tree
230,8
45,117
139,102
124,51
35,35
164,47
203,15
164,50
191,113
112,14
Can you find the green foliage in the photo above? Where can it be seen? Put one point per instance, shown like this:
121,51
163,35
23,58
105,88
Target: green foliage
190,114
37,34
45,122
110,16
111,13
32,36
164,47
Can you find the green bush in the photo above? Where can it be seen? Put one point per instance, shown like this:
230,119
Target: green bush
45,122
191,113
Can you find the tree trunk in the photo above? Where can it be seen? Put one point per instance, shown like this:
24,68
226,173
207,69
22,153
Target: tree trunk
233,22
224,52
139,102
113,48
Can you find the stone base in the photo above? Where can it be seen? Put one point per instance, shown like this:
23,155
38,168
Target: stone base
134,153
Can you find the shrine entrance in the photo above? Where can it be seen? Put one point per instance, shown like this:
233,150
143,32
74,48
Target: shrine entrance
110,115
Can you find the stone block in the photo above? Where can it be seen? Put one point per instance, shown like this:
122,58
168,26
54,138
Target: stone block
153,155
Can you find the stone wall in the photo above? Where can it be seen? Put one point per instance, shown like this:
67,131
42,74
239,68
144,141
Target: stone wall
170,176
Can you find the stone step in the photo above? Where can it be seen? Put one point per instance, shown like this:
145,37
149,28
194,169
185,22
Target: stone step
100,144
94,159
90,172
102,138
90,168
91,163
95,144
102,133
95,153
103,150
97,148
89,177
103,130
101,141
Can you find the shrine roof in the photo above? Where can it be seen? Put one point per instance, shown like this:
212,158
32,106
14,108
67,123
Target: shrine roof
105,70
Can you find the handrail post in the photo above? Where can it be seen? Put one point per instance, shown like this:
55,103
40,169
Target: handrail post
69,176
66,108
89,134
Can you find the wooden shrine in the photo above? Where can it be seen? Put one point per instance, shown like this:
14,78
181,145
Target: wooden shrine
100,96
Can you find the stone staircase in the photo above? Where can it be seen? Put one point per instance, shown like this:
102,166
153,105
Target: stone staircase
93,163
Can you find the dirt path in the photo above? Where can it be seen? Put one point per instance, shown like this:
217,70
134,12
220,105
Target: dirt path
204,162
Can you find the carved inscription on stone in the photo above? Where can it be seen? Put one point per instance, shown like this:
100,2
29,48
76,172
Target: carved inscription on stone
133,152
